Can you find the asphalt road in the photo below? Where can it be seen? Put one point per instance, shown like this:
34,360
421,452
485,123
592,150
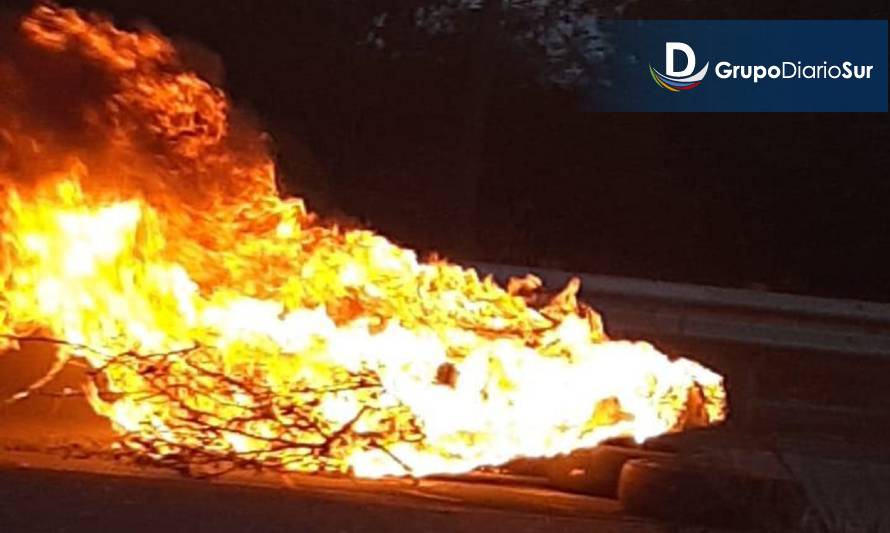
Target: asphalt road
44,500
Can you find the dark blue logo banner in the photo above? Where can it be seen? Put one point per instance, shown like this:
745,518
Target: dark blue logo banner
743,65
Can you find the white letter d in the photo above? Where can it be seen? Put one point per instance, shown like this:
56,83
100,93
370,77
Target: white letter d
669,50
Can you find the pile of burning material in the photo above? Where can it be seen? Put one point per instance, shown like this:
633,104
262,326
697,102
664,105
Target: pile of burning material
142,234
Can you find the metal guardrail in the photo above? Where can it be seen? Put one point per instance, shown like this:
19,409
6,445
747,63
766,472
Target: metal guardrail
642,307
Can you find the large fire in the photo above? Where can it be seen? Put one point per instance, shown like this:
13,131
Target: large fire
143,233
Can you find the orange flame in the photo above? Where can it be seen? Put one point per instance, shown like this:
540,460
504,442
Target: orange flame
225,323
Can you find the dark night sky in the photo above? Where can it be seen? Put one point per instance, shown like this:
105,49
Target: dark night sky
794,202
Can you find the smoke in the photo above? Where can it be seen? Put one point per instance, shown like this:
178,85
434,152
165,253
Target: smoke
121,110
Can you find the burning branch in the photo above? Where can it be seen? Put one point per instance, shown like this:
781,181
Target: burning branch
291,433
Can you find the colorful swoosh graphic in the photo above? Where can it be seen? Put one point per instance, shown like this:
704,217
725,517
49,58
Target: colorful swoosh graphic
676,85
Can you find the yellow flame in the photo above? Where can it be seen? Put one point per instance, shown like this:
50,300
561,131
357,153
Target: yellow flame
243,329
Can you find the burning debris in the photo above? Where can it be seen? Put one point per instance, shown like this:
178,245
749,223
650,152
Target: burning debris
142,232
